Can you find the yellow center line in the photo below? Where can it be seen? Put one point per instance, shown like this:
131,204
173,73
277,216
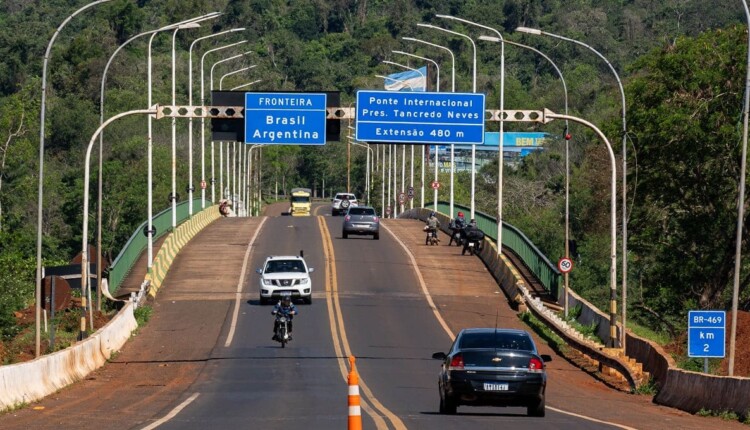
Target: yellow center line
339,333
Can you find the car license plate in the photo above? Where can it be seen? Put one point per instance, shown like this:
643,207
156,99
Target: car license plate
490,386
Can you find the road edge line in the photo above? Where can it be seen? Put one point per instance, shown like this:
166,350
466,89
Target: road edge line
235,314
172,413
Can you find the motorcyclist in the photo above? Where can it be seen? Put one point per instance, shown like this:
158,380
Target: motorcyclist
457,226
472,234
432,226
286,308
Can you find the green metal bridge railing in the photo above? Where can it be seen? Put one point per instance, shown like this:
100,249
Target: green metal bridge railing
138,241
514,239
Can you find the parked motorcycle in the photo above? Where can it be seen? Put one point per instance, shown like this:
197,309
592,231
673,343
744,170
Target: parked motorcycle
432,237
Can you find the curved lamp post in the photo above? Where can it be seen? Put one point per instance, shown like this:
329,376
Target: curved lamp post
101,145
453,90
40,200
190,122
244,69
474,90
567,158
740,209
211,87
246,85
437,87
203,127
501,144
624,166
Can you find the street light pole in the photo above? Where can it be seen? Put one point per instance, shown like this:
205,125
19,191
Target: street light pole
203,128
453,90
246,85
437,87
474,90
221,80
567,158
190,122
624,168
40,200
740,209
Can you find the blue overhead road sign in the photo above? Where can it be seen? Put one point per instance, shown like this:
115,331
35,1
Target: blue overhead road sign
706,333
416,117
285,118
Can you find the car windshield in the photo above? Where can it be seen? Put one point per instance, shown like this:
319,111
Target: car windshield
345,197
499,339
279,266
361,211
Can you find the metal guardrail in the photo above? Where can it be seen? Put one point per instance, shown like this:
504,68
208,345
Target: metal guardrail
138,241
514,239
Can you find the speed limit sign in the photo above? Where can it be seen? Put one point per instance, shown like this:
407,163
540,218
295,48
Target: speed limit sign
565,265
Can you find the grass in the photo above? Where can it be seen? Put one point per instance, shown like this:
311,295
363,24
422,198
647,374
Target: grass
549,336
143,314
724,415
647,389
647,333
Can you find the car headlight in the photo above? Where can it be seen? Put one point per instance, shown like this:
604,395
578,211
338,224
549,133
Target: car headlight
267,282
304,281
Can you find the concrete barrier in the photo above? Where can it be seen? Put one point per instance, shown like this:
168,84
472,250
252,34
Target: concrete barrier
174,243
511,282
31,381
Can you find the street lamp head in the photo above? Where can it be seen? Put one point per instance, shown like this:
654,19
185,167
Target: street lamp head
528,30
490,39
188,25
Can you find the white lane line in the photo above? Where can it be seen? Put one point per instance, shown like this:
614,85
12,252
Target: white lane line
624,427
172,413
240,282
453,337
423,285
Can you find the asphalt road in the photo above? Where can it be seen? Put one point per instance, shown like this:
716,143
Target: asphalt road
372,307
206,359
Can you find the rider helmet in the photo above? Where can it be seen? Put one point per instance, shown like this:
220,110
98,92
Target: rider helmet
286,301
432,214
461,214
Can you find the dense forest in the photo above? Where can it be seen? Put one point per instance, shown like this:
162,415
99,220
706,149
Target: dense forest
682,65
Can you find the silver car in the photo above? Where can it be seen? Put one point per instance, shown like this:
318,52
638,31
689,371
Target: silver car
362,220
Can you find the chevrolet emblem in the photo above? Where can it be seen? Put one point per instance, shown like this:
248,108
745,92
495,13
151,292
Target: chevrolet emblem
497,360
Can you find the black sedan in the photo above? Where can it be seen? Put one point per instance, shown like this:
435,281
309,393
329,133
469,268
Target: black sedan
492,367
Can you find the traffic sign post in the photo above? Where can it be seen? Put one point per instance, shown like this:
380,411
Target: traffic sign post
401,198
565,265
435,185
707,335
285,118
203,185
430,118
410,193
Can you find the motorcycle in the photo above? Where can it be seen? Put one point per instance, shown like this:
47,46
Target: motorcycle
474,246
431,238
282,333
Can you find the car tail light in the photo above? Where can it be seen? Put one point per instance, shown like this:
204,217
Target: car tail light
347,218
536,365
457,362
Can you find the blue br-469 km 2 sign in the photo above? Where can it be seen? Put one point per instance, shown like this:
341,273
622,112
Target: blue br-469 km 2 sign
706,333
285,118
431,118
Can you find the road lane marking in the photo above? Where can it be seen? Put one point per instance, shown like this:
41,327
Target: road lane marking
338,332
423,285
240,282
172,413
624,427
442,322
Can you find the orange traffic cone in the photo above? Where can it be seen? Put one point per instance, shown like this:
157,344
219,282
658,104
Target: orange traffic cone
355,413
